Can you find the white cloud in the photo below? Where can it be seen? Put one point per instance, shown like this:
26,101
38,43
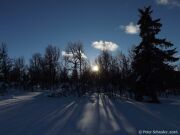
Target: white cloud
83,56
131,28
70,55
65,54
162,2
105,45
172,3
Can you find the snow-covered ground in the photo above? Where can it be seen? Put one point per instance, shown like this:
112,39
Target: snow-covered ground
36,114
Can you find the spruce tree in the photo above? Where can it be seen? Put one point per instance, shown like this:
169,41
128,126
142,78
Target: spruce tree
153,57
5,64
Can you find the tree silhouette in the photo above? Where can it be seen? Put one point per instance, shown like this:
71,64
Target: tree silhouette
5,66
18,71
75,56
152,57
36,69
51,65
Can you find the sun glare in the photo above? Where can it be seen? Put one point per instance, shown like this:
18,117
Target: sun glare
95,68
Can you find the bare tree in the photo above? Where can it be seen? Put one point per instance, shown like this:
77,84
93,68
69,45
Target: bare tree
75,56
18,71
36,69
51,64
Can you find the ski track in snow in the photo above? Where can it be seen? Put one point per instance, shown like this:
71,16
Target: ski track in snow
36,114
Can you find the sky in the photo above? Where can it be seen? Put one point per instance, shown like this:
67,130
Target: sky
29,26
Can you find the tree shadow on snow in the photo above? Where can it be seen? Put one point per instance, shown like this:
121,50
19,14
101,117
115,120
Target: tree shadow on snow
94,114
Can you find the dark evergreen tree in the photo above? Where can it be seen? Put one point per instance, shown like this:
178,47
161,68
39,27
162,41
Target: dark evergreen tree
5,67
152,60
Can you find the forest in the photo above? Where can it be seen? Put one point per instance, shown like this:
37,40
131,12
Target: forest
151,69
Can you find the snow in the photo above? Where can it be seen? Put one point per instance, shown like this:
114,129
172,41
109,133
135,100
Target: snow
35,113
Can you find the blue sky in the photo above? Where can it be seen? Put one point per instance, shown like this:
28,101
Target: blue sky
28,26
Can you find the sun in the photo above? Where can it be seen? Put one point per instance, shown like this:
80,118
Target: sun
95,68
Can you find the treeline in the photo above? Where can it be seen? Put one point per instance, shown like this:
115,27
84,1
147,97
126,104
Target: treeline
51,70
147,70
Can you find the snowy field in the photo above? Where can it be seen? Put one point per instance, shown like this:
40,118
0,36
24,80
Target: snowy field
36,114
